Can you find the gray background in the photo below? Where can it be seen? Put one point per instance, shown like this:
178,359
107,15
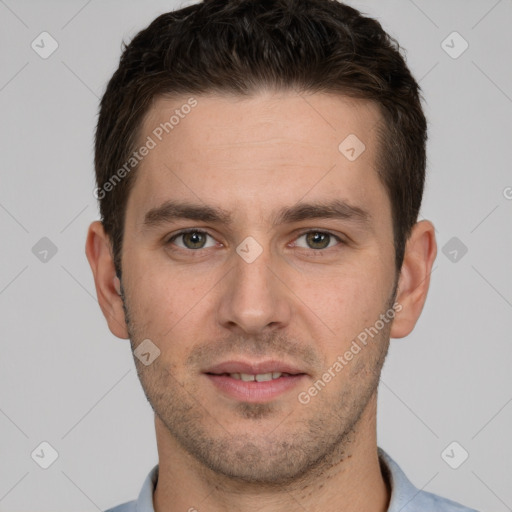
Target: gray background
66,380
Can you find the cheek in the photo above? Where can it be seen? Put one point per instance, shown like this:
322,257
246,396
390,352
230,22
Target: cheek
346,303
168,306
151,299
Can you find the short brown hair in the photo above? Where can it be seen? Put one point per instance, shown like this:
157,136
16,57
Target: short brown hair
242,46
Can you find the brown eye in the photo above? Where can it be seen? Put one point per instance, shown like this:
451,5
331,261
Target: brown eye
317,240
192,240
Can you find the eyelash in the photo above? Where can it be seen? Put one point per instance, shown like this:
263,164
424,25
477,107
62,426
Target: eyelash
192,230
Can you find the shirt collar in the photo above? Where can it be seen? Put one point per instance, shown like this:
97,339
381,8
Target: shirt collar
402,490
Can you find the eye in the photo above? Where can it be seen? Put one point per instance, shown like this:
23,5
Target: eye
192,239
317,240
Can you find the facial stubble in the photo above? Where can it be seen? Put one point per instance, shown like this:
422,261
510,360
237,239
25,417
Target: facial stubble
307,441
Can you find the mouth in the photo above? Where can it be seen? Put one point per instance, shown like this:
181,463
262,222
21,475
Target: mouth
259,377
254,382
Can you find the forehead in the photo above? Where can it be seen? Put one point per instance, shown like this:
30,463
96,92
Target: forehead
225,119
254,152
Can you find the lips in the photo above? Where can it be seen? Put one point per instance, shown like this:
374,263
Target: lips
256,368
254,382
260,377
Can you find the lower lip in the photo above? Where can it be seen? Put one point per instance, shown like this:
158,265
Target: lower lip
255,391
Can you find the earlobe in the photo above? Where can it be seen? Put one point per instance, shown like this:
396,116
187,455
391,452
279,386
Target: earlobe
108,286
414,281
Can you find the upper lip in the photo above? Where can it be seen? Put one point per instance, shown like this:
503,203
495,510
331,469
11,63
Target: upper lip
254,368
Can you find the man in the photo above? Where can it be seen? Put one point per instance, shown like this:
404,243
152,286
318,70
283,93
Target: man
260,168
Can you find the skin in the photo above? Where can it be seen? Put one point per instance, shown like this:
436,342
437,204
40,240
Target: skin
295,302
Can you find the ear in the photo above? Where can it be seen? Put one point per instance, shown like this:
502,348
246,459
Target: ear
414,281
108,286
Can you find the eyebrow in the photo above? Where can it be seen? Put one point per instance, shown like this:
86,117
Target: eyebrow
173,210
336,209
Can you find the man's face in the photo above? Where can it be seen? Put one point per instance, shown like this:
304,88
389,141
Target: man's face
264,286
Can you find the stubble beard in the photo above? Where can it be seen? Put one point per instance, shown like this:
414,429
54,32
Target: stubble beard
307,442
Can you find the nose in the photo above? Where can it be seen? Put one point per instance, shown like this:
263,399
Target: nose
254,298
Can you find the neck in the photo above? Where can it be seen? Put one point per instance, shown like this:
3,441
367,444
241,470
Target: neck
350,481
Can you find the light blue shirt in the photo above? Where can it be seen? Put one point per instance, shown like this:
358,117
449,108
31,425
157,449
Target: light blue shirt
404,496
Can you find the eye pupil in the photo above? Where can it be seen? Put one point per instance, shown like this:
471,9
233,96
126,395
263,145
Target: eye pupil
194,240
318,240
